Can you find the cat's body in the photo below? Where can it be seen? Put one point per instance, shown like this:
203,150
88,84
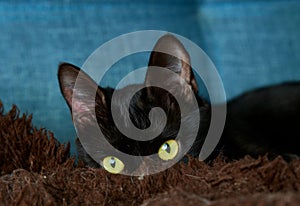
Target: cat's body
265,120
258,122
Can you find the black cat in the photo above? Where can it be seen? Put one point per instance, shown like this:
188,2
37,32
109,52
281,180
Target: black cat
257,122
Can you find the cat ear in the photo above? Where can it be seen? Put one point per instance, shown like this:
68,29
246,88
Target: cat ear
169,53
83,98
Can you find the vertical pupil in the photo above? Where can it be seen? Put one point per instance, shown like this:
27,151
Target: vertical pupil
166,147
112,162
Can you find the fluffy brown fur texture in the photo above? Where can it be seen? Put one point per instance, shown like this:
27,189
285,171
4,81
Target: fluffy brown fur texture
37,170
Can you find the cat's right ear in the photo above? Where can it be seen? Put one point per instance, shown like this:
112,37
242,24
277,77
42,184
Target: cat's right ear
170,54
81,92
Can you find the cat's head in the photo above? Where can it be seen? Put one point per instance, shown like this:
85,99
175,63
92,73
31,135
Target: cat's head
92,107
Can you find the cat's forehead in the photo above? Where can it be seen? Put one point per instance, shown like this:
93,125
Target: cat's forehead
129,88
124,95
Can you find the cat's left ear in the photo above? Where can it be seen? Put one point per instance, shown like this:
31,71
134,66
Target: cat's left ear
82,94
169,53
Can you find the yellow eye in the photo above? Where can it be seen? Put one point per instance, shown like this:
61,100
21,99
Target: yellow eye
113,165
168,150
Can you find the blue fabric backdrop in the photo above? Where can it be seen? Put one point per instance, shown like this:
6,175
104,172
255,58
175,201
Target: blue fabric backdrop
252,43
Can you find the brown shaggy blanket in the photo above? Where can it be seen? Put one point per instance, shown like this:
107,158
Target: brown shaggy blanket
37,170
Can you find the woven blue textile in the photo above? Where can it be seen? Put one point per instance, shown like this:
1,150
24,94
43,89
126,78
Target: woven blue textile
252,43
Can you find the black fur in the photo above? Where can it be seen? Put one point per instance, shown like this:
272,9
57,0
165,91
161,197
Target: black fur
262,121
265,120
